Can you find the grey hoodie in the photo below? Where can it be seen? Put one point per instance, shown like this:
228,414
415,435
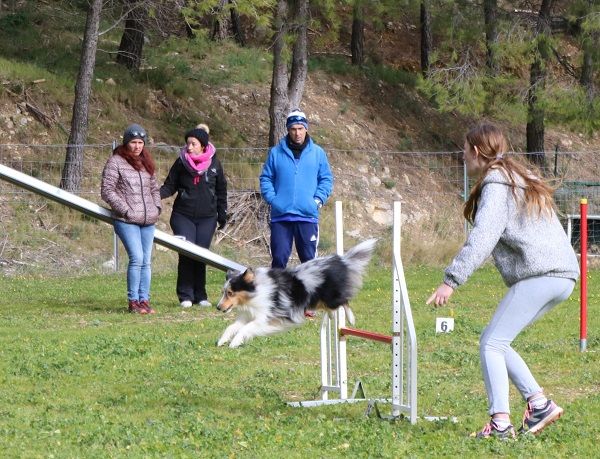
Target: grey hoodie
522,245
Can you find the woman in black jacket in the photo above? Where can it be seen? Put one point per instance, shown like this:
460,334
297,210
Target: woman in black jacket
201,203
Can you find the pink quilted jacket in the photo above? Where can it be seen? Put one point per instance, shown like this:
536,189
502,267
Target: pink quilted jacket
134,196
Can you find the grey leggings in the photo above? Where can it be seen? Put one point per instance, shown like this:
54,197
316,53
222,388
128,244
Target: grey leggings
525,302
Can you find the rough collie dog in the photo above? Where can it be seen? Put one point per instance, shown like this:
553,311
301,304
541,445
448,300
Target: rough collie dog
274,300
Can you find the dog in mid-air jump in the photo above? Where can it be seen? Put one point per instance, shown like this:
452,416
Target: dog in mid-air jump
274,300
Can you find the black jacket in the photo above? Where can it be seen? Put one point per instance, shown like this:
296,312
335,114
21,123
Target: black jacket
206,198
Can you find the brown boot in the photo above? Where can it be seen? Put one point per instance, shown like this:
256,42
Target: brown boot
146,306
136,308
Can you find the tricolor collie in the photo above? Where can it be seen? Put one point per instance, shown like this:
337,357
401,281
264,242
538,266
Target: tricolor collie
274,300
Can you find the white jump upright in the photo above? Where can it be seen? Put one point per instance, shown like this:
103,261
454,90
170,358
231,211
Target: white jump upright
404,337
333,350
334,336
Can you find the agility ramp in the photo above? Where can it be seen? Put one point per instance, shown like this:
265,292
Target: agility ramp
101,213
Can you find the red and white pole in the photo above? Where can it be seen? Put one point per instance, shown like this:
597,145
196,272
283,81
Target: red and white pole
583,231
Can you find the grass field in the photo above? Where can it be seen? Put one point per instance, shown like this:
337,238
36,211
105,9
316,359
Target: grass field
79,377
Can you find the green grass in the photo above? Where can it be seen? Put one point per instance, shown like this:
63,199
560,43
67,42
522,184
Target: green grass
79,377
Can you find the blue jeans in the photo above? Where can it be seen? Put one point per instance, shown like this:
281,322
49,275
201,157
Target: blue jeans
137,241
524,303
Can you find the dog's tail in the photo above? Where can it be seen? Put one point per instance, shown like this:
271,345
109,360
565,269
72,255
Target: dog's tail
357,259
360,255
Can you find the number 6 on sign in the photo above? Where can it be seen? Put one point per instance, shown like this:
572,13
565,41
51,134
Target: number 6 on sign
444,324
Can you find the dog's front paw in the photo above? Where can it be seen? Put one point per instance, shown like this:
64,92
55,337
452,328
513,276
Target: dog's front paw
236,342
222,340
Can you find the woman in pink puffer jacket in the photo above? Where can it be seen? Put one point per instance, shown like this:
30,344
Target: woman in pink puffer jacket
129,186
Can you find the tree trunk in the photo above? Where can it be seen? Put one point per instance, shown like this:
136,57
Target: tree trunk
490,14
426,38
278,103
287,94
73,167
589,44
357,41
236,27
221,24
587,72
132,41
299,56
537,84
536,114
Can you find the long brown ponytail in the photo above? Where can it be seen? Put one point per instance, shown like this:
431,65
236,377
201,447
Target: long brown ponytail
492,147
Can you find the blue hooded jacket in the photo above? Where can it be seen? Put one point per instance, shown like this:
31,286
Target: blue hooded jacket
290,186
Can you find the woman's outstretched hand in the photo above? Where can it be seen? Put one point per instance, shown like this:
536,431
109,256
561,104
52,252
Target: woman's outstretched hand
441,295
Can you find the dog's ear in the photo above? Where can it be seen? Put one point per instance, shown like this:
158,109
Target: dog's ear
231,273
248,276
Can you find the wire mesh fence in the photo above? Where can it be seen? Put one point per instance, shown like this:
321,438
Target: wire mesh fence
36,234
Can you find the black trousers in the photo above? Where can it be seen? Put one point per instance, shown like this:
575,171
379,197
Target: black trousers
191,274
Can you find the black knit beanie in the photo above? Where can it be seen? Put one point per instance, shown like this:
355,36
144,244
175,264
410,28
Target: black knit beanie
199,134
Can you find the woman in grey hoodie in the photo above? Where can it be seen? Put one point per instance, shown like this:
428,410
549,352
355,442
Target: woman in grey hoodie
514,220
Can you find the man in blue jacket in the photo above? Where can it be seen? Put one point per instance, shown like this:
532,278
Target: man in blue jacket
296,181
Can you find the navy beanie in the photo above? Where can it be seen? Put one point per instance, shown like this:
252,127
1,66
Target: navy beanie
134,131
199,134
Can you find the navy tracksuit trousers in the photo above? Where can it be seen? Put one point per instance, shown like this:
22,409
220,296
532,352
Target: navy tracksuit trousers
305,236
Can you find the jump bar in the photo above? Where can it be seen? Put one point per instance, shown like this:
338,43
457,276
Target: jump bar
373,336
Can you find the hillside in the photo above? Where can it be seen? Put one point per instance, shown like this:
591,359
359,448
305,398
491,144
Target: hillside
369,112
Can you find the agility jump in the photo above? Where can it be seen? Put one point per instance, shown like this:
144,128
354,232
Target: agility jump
334,335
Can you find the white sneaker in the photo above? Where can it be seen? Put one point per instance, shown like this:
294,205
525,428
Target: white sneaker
205,304
186,304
